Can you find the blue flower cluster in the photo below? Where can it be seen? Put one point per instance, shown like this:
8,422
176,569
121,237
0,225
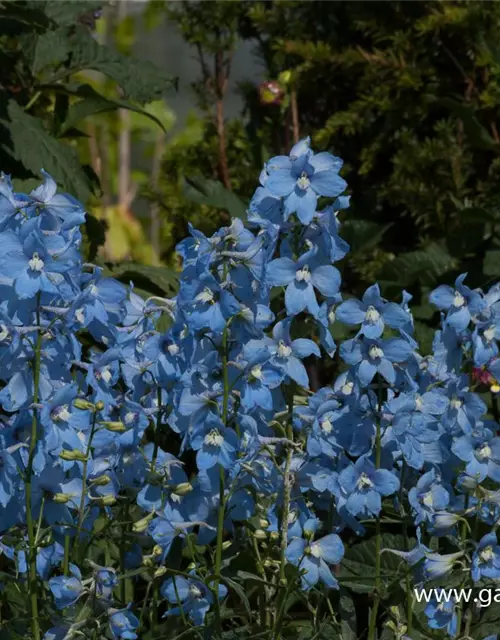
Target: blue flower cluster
206,439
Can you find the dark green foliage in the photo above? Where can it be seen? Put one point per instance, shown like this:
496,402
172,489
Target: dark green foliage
42,46
407,94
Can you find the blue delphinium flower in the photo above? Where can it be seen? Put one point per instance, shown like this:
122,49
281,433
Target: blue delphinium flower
373,312
123,624
302,177
363,487
486,558
301,278
313,559
460,303
66,589
214,444
191,595
442,613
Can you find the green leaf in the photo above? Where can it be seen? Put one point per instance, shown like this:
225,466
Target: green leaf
93,102
491,264
240,592
347,612
68,12
363,235
357,570
48,49
425,265
17,18
140,80
156,280
488,623
36,150
213,194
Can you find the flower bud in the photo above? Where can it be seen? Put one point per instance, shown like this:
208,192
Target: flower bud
61,498
73,455
80,403
226,544
101,481
182,489
263,523
161,571
260,534
157,550
148,561
141,525
107,501
99,405
191,566
274,535
114,426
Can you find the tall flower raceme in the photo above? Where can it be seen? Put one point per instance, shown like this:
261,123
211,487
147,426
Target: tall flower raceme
147,476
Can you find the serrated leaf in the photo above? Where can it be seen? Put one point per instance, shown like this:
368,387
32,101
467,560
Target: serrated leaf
357,569
48,49
140,80
67,13
213,194
36,150
425,265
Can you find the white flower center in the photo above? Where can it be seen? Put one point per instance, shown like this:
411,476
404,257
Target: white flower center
61,413
36,263
303,275
489,334
93,290
205,296
214,438
303,182
106,374
484,452
331,316
487,554
364,482
347,388
315,550
419,403
129,417
375,352
80,315
372,315
173,349
326,426
292,517
284,350
428,500
458,300
4,332
256,372
194,591
456,403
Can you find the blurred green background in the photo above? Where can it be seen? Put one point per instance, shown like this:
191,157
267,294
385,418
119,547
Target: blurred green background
156,114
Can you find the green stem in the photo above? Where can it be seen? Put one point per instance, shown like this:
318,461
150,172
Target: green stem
67,543
222,505
372,628
81,510
32,581
33,100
